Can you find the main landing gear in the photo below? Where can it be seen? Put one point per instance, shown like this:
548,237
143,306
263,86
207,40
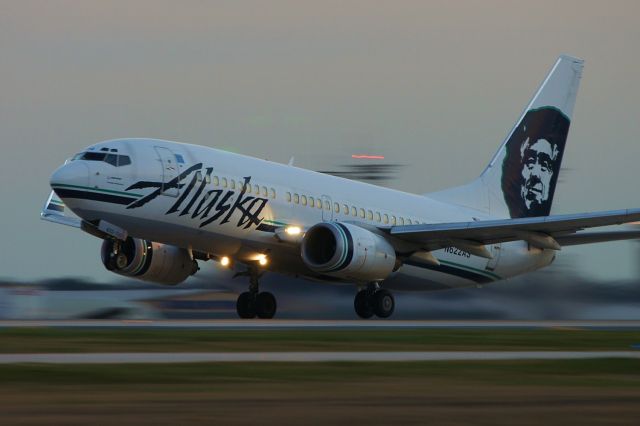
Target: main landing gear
254,303
374,300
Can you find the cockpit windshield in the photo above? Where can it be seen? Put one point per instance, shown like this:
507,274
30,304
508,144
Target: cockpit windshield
116,160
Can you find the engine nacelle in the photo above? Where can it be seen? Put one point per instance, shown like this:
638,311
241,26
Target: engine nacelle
347,251
148,261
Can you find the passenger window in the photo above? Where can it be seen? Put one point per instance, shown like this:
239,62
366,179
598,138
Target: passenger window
327,205
401,220
216,181
288,196
385,218
296,198
304,200
345,209
336,207
232,184
408,221
256,189
207,178
264,191
369,215
312,201
354,211
362,213
224,182
247,188
378,218
198,176
318,203
393,220
272,193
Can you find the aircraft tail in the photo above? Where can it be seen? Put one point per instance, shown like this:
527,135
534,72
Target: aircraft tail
521,178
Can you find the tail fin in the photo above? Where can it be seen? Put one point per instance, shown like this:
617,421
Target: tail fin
521,178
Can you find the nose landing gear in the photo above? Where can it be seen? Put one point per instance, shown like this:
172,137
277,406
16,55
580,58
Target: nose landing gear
374,300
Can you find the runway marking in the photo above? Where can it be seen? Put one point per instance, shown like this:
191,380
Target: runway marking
233,324
188,357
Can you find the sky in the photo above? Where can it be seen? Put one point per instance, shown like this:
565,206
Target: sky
434,85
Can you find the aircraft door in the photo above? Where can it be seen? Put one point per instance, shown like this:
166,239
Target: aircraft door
170,171
492,264
327,209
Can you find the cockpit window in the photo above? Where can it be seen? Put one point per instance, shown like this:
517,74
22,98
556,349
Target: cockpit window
113,159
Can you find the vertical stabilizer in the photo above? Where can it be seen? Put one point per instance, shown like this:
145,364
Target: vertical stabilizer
521,178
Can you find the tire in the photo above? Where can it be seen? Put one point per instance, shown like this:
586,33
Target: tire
383,303
362,305
266,305
245,306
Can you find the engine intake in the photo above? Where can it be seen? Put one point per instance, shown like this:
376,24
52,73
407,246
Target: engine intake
148,261
347,251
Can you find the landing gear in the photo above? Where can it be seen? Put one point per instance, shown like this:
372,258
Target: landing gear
374,300
254,303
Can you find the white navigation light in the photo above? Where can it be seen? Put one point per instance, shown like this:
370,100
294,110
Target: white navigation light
225,261
262,259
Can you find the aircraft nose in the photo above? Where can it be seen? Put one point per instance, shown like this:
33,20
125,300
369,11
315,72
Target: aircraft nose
71,175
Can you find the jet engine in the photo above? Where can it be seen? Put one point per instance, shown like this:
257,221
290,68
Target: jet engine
148,261
347,251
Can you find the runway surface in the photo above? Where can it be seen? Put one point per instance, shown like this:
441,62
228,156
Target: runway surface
186,357
323,324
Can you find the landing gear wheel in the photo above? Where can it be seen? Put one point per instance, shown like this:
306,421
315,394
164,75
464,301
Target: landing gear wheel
265,305
362,304
246,305
383,303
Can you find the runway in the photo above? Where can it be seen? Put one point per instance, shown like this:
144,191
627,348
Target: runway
189,357
324,324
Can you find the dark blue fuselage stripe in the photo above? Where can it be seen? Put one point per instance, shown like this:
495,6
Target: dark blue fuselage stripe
266,228
451,270
86,195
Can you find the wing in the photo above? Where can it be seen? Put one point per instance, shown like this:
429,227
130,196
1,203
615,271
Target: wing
549,232
55,211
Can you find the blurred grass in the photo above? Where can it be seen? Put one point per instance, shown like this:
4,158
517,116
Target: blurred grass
595,391
589,372
34,340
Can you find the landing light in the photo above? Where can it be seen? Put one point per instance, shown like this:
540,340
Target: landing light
293,230
225,261
262,259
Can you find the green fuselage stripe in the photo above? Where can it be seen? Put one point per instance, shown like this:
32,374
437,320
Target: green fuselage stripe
471,269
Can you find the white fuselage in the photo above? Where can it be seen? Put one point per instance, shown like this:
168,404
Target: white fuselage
209,211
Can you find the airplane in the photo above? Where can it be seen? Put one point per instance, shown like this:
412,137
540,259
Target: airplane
162,206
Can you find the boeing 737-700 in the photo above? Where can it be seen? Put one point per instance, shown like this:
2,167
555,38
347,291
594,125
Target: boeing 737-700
160,207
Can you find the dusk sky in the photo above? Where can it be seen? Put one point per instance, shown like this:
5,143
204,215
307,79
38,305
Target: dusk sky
435,85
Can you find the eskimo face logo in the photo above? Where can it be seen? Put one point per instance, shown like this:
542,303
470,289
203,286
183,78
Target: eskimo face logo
206,205
532,162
